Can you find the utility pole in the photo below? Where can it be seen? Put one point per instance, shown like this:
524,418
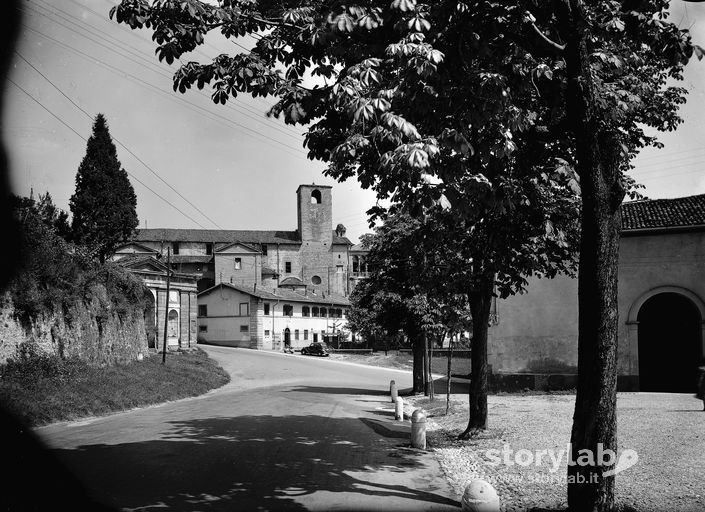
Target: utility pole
166,304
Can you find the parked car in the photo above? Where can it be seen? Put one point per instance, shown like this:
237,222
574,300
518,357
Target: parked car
315,349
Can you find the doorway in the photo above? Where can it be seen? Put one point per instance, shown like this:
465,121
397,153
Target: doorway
670,344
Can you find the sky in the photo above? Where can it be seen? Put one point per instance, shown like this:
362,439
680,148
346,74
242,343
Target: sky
194,164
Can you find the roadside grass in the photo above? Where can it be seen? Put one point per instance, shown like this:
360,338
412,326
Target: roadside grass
45,389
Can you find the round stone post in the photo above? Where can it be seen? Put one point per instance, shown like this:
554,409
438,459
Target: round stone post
479,496
399,409
418,429
393,391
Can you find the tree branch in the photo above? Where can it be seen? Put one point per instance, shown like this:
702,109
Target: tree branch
548,41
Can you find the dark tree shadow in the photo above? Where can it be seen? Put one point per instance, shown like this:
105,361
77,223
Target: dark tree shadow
254,463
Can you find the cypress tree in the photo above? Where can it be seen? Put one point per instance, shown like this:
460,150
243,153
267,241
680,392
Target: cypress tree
104,205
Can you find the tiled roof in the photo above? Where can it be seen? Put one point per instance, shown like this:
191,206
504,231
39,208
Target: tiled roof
287,295
679,212
267,271
224,236
359,248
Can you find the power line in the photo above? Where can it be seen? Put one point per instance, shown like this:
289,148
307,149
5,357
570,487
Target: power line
241,108
86,140
118,141
124,74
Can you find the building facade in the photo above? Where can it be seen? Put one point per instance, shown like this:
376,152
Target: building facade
314,256
172,306
259,289
661,311
239,316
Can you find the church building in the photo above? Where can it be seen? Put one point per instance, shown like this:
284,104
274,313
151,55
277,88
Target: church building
302,276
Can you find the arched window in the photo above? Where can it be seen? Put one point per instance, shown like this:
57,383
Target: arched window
316,197
288,310
323,312
173,324
314,311
305,311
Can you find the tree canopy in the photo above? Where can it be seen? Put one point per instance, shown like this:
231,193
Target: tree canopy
446,101
104,202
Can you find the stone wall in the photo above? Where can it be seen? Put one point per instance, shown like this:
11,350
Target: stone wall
93,332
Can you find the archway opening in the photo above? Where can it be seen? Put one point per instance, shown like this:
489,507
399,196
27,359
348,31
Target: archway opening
670,345
316,197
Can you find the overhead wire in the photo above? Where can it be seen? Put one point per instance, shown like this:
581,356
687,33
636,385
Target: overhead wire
86,140
152,66
235,104
119,142
124,74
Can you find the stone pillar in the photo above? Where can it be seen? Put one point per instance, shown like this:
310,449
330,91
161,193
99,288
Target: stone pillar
161,315
193,318
184,320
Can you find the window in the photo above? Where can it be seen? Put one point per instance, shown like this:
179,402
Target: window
264,250
288,310
287,267
316,197
323,312
203,310
305,334
175,248
202,328
209,249
296,335
266,333
314,312
316,280
244,328
238,263
339,269
305,311
244,309
266,308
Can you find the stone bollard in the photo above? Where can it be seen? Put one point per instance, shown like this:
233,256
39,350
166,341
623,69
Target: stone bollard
479,496
418,429
393,391
399,409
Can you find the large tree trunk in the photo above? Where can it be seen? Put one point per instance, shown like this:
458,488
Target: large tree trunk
598,156
418,372
480,304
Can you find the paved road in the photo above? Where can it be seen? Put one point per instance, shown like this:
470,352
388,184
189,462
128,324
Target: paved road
289,432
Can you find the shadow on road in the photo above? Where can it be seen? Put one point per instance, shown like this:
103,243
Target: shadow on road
253,463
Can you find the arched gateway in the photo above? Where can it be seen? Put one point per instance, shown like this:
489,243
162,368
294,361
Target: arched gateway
670,339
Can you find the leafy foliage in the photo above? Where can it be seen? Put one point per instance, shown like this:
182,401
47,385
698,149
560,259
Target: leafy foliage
493,109
104,203
55,274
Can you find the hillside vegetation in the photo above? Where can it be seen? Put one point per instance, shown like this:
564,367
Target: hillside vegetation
64,303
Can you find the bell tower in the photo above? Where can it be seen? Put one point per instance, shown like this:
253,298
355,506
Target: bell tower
315,214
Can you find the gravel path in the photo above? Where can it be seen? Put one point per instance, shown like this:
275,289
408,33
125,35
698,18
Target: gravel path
667,431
